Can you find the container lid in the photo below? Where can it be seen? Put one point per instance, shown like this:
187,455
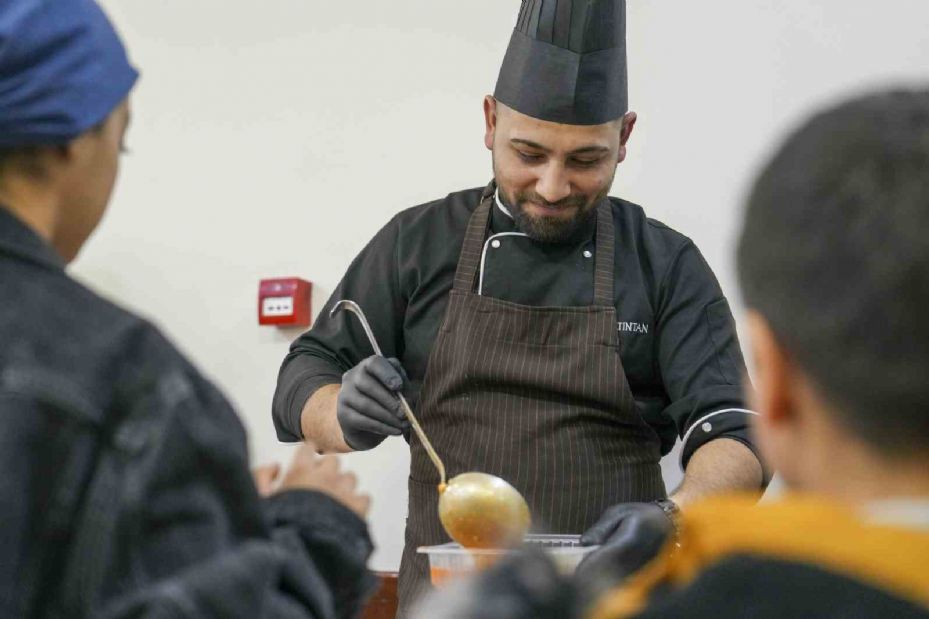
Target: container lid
552,544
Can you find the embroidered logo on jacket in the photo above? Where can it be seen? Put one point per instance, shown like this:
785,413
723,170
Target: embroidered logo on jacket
632,327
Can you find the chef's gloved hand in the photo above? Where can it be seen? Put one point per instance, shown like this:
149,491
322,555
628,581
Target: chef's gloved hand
368,409
630,535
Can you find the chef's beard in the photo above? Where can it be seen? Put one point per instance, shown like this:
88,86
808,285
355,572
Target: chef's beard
552,229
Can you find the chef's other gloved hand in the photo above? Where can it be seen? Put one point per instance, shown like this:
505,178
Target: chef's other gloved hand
630,535
523,586
368,409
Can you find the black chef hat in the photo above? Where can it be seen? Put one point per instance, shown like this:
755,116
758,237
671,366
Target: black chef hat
566,62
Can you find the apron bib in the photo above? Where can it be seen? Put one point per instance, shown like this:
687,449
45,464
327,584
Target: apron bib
535,395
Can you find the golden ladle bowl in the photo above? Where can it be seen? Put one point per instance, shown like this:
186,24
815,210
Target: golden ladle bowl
477,510
483,511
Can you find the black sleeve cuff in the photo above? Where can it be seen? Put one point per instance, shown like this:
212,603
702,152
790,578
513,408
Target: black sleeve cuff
290,399
731,423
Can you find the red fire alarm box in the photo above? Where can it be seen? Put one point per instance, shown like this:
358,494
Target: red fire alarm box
284,302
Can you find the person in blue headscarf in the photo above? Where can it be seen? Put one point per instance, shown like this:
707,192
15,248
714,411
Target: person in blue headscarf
64,86
124,481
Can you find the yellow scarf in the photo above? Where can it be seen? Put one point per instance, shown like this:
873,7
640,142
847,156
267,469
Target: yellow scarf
802,529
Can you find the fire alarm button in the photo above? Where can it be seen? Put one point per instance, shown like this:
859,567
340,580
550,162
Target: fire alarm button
284,302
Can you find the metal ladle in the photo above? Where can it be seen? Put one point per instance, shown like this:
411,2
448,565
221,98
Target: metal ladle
477,510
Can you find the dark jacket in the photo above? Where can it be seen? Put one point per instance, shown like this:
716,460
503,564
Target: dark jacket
124,482
798,556
763,587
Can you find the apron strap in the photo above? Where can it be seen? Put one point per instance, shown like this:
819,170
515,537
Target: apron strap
469,263
605,258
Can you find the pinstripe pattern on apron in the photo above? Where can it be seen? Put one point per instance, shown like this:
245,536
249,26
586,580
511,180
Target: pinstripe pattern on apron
535,395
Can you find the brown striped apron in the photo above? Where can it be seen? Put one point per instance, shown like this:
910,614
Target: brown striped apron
536,395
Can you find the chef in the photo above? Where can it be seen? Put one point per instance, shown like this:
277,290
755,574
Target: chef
545,332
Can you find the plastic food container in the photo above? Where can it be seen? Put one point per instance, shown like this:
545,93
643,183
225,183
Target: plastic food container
450,561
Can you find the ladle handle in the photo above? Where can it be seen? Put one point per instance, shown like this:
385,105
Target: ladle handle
355,309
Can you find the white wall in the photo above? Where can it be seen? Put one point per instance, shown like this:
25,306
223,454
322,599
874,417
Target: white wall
274,137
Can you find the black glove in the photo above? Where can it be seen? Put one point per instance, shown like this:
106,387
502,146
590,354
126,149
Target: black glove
630,535
368,409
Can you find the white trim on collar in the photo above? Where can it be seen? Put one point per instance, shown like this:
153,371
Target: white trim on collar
500,206
490,239
487,244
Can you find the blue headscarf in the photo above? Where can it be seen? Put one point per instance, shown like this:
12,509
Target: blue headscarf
63,70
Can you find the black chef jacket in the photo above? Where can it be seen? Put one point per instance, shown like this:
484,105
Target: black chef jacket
678,340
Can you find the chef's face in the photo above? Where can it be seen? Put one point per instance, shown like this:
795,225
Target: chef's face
550,175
